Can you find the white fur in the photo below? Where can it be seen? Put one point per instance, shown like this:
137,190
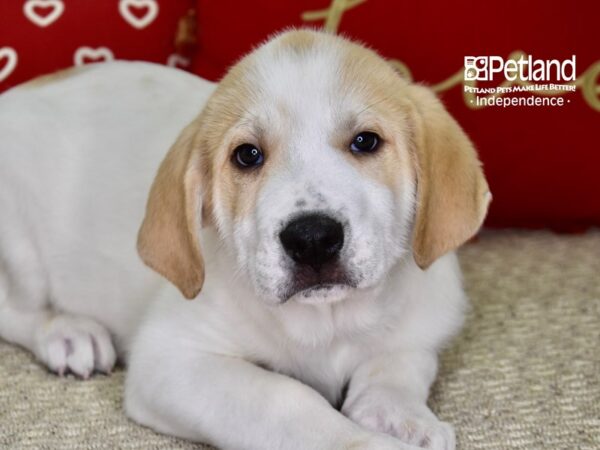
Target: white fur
235,367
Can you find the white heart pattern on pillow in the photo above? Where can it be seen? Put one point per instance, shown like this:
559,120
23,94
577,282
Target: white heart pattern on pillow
126,7
100,54
9,55
31,9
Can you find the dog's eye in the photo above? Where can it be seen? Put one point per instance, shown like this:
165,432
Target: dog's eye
247,156
365,142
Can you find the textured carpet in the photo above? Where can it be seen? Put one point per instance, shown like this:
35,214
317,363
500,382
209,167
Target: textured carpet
524,373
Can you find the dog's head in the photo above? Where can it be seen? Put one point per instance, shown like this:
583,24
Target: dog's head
321,168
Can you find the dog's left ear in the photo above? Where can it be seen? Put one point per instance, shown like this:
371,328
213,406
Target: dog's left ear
168,238
452,192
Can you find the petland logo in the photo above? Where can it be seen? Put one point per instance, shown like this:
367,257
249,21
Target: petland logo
483,68
523,81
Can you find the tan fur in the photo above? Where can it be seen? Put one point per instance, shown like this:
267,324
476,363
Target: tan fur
183,190
239,190
367,76
168,239
223,128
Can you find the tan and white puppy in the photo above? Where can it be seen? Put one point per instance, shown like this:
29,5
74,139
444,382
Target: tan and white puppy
312,208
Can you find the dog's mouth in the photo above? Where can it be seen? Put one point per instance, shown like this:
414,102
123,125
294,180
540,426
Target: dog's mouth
328,284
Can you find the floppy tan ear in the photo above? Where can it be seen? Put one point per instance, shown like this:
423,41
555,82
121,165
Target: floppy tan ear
168,238
452,193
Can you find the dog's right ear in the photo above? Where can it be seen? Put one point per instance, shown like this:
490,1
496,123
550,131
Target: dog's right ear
168,238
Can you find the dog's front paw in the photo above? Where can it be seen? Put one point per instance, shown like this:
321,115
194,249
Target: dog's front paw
74,344
412,423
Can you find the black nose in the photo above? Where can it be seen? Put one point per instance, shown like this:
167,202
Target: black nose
313,239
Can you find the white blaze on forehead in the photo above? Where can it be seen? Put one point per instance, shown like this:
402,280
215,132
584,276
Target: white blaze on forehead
289,72
299,87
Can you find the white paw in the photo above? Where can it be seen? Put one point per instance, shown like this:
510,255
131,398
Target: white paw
413,424
76,344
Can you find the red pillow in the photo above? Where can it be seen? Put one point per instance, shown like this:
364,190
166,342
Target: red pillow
42,36
542,162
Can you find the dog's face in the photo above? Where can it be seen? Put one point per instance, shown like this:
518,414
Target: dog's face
312,184
321,168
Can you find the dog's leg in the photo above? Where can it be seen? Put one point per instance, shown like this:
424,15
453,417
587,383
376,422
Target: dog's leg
389,394
233,404
23,305
61,341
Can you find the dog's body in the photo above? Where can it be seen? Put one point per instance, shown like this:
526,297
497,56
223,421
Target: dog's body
77,162
257,360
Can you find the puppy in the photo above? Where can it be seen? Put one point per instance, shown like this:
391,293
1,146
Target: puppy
311,209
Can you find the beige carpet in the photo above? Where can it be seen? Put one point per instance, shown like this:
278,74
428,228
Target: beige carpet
524,374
